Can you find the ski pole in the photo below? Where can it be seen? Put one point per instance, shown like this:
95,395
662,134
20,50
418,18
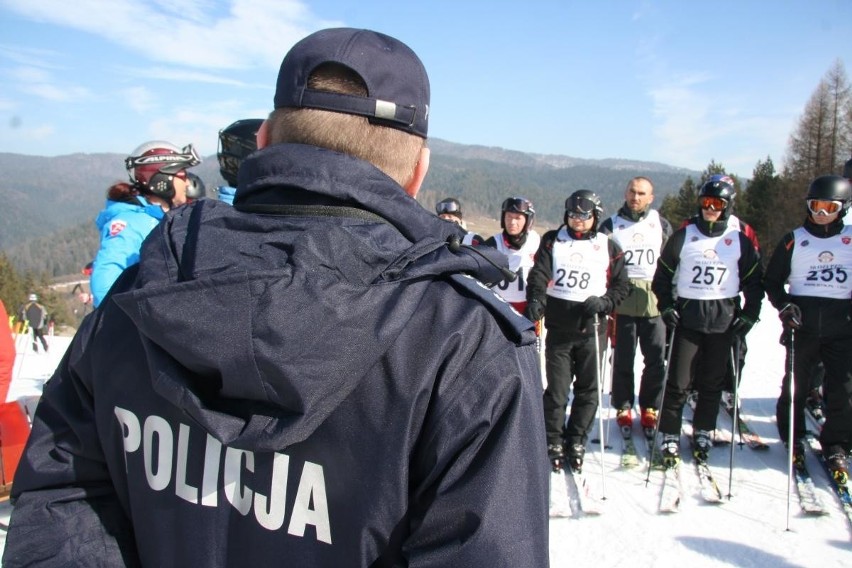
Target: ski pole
790,427
600,403
735,361
662,400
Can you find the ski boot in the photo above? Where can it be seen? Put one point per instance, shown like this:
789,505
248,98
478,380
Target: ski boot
836,458
702,442
649,421
624,419
799,454
670,451
576,453
556,457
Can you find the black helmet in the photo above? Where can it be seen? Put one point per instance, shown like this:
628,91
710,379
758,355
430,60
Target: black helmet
584,201
194,187
847,169
154,165
450,206
831,188
721,186
236,141
518,205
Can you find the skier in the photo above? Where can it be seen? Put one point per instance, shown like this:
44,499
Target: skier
195,188
236,142
519,242
815,261
641,232
700,274
158,182
36,317
450,209
578,276
312,376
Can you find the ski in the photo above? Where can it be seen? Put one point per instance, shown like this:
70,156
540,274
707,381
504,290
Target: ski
671,495
840,489
809,500
589,505
748,435
708,488
560,502
629,455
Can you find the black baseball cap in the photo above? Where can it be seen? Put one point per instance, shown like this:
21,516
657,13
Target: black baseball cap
397,84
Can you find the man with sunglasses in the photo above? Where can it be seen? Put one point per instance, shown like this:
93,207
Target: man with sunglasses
701,272
518,242
641,231
578,277
814,263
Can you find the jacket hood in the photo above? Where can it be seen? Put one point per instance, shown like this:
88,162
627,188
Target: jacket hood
259,324
113,209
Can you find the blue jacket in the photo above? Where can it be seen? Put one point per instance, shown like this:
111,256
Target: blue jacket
311,376
123,227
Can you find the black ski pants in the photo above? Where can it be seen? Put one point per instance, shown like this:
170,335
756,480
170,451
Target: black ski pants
836,354
38,334
650,335
705,357
570,358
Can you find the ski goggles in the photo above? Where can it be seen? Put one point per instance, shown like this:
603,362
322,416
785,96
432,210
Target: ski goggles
448,207
824,206
712,203
581,215
517,205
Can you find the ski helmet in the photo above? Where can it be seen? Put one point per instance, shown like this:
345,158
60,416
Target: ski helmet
154,165
831,188
195,188
449,206
518,205
236,141
847,169
33,298
720,186
584,201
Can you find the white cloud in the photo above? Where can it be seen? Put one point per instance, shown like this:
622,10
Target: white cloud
248,33
40,83
139,99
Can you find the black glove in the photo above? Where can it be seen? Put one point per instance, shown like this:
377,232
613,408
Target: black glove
595,305
742,324
791,316
535,310
671,317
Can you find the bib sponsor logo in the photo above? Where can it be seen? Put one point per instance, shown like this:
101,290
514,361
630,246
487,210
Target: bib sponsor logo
825,256
846,240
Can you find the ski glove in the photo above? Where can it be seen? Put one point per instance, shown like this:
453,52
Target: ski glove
671,317
742,324
535,310
595,305
791,316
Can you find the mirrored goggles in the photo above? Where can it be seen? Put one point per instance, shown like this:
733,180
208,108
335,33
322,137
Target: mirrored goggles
712,203
824,206
517,204
582,215
448,207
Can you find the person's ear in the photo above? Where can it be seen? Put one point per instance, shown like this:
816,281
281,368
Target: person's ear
420,169
262,136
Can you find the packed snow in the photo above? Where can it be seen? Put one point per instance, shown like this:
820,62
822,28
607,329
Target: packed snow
749,529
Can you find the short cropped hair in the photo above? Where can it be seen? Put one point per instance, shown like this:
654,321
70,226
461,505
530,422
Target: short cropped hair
392,151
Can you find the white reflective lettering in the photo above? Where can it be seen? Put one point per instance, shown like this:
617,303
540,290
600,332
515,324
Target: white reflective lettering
182,488
270,512
241,500
210,483
165,445
312,484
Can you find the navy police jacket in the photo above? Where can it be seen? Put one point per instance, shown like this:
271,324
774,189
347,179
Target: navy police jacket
310,378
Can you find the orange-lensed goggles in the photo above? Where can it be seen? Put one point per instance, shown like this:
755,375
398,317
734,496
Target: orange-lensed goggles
825,206
714,203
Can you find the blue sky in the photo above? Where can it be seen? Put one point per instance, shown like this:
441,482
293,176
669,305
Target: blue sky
669,81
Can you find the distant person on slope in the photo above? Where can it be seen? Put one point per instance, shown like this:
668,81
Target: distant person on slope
236,142
158,182
450,209
36,317
519,242
641,232
578,275
815,262
702,270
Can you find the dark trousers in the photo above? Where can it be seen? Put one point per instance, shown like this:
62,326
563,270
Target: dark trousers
38,334
650,335
570,358
705,357
836,355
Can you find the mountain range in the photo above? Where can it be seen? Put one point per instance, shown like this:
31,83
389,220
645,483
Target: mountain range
50,200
